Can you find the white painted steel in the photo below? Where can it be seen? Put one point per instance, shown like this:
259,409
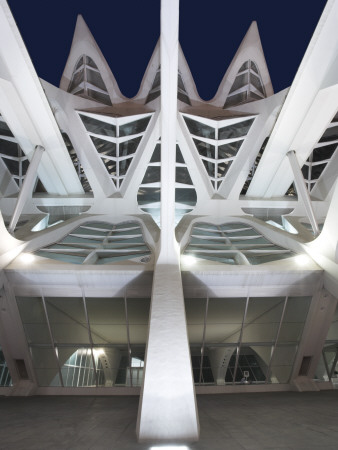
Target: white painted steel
27,186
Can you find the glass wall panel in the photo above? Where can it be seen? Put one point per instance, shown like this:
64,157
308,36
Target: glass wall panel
282,363
258,356
138,126
137,364
294,319
78,369
67,320
199,129
45,366
262,320
251,368
195,313
5,377
138,316
224,319
98,127
236,130
107,320
204,376
33,320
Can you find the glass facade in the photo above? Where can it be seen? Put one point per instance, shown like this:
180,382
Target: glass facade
233,243
149,193
321,155
99,243
5,376
87,81
248,86
14,158
116,143
86,342
217,146
155,90
327,369
245,340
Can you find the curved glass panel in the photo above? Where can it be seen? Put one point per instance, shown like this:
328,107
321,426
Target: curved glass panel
96,243
233,244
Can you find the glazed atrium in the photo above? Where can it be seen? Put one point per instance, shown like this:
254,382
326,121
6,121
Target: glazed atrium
164,246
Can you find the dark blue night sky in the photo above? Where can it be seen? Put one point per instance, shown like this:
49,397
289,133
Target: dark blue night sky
210,33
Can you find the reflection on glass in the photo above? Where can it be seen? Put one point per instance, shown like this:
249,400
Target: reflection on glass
33,320
98,127
45,366
5,377
107,320
67,320
262,319
224,320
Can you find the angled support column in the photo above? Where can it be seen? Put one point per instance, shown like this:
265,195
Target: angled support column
27,186
302,190
167,410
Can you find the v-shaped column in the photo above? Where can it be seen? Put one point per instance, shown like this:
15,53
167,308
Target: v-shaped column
167,409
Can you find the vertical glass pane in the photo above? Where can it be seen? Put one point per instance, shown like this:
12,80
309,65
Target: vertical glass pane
33,319
77,367
138,316
137,364
263,318
294,319
45,366
107,320
282,363
5,377
95,78
333,330
258,358
67,320
195,312
224,319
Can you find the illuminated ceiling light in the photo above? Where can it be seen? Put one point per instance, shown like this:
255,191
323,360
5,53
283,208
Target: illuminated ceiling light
99,351
27,258
189,260
170,447
302,260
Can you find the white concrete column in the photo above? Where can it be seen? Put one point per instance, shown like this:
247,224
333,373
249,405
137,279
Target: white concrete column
27,186
302,190
167,409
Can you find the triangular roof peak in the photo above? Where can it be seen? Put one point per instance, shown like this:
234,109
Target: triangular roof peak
249,49
84,44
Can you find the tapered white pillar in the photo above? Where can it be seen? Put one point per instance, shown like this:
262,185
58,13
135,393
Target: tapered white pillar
167,410
302,191
27,186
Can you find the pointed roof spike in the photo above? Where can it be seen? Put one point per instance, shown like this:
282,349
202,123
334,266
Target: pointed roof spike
249,49
149,74
84,44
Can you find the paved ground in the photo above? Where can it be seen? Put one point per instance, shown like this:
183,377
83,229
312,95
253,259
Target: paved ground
274,421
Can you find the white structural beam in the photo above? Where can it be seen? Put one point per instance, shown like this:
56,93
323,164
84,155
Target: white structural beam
21,73
167,409
27,186
302,191
317,71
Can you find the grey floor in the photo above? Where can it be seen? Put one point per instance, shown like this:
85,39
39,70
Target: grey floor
235,421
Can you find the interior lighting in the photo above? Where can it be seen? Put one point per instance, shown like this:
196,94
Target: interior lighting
170,447
98,351
189,260
27,258
302,260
